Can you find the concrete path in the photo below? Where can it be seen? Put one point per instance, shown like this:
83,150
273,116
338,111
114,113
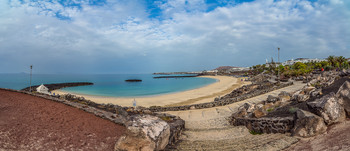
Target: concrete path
209,129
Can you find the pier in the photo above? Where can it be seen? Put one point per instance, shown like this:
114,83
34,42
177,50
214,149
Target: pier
188,76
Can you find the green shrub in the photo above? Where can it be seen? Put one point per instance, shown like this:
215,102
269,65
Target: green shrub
165,118
293,109
270,109
255,133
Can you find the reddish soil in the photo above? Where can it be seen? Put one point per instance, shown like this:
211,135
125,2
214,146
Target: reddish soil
32,123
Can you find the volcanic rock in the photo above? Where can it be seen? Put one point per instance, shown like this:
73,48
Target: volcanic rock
329,107
300,96
146,133
260,112
308,124
271,99
344,94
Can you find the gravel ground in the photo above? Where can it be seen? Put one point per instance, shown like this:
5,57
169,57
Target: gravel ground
33,123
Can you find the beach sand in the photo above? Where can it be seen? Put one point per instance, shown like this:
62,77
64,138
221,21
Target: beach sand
224,85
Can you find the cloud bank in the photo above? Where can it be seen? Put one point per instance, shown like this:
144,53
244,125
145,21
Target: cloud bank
131,36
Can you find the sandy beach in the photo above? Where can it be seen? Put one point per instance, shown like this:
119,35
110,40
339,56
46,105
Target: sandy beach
223,86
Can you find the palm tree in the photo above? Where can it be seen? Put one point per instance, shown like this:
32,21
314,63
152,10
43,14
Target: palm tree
340,59
331,60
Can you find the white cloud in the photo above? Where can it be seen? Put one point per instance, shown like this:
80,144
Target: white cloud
187,38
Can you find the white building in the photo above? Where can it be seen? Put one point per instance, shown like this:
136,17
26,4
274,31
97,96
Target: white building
302,60
235,69
42,89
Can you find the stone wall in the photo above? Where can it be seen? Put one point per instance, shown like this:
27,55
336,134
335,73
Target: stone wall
222,101
266,124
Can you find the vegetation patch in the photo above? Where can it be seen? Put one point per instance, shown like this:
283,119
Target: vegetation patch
254,132
270,109
166,118
293,109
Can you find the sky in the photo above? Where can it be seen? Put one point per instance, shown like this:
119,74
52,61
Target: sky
145,36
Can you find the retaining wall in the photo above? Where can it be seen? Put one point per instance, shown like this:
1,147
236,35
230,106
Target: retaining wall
221,102
266,124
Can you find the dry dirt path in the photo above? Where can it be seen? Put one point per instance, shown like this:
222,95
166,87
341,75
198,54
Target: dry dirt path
209,129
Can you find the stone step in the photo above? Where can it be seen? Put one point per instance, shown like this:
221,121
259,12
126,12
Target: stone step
269,142
216,134
207,124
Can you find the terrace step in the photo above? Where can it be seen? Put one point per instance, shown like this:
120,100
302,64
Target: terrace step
269,142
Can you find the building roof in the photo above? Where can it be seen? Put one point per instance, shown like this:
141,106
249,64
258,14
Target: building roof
42,89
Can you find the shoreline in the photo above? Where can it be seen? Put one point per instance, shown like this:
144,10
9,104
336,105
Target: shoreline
223,84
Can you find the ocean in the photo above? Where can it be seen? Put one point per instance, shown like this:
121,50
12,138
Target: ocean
113,85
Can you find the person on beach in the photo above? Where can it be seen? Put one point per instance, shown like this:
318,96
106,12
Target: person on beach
134,103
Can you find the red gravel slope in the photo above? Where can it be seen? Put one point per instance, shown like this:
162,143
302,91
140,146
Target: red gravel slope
33,123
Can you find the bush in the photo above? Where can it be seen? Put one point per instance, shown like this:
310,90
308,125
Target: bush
299,65
255,133
270,109
327,68
293,109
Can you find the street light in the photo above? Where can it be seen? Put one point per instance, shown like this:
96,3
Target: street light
30,83
278,62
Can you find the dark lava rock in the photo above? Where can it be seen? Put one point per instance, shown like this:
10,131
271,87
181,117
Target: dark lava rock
133,80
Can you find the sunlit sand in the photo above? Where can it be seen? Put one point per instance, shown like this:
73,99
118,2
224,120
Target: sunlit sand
223,86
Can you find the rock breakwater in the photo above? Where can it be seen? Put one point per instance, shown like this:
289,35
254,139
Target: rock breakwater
56,86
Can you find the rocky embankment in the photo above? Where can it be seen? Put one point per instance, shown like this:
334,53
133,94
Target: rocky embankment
305,113
56,86
239,94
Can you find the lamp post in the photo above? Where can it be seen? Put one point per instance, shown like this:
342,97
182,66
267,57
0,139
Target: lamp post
278,62
30,83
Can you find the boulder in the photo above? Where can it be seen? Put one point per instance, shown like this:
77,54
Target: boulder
308,90
216,99
249,107
344,94
316,92
284,96
268,106
345,72
242,112
329,107
259,113
318,78
313,81
271,99
193,107
144,132
330,81
258,106
300,97
308,124
120,111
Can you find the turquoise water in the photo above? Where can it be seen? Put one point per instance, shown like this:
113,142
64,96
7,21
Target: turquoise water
108,84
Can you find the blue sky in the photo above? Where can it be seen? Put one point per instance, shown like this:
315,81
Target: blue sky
144,36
